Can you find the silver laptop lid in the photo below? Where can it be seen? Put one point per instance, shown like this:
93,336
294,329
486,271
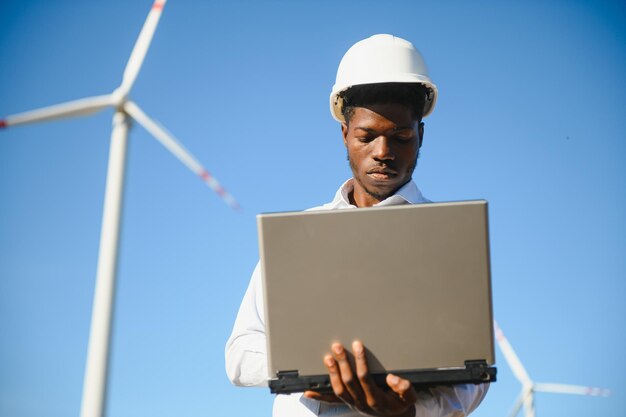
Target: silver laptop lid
412,282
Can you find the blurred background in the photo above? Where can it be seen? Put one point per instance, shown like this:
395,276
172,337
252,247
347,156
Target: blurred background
530,117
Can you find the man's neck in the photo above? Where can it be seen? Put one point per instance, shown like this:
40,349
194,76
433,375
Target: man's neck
361,198
364,201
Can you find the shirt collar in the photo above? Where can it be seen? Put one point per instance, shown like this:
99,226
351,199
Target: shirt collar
407,194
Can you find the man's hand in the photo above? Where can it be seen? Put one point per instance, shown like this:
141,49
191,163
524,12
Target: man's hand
358,389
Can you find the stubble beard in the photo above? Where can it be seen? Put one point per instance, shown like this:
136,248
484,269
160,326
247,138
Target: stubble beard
380,196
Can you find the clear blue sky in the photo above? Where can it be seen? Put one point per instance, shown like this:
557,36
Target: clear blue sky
530,116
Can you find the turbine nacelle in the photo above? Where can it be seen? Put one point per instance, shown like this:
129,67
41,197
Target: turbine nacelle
119,98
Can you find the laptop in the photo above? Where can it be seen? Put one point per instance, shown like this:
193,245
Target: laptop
412,282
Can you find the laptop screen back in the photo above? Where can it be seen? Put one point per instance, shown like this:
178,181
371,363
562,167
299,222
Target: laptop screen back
412,282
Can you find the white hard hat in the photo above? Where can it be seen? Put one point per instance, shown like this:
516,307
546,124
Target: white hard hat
381,59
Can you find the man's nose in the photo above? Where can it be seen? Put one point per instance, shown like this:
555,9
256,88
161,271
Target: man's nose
382,149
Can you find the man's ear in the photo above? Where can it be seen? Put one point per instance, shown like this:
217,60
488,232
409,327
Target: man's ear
420,132
344,133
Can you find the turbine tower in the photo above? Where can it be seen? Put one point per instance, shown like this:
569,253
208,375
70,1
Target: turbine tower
526,397
96,369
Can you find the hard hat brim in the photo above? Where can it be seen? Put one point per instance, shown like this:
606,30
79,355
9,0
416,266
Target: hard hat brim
336,102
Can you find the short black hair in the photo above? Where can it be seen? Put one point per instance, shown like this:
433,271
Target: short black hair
410,95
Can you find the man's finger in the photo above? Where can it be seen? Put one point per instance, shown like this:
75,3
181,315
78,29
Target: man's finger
335,380
348,377
329,398
370,389
402,388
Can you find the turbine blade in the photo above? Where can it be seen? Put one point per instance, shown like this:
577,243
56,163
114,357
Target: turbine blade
518,405
573,389
179,151
73,108
529,403
141,46
511,357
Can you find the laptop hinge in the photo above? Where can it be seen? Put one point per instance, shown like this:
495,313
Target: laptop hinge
287,374
479,369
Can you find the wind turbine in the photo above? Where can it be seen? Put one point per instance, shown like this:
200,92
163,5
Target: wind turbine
96,369
526,397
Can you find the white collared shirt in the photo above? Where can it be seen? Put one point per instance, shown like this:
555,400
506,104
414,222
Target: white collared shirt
407,194
246,355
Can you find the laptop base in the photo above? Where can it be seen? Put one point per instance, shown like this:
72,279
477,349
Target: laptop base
475,372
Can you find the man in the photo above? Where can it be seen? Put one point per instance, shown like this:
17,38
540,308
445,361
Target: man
381,94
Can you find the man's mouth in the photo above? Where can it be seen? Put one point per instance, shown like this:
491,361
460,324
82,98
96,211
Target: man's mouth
380,173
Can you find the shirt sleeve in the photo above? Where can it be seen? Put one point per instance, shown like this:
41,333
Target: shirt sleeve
246,351
450,401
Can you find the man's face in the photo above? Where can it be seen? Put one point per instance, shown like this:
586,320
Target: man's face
383,142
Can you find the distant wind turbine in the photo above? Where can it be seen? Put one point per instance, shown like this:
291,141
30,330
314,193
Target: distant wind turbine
96,370
527,395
